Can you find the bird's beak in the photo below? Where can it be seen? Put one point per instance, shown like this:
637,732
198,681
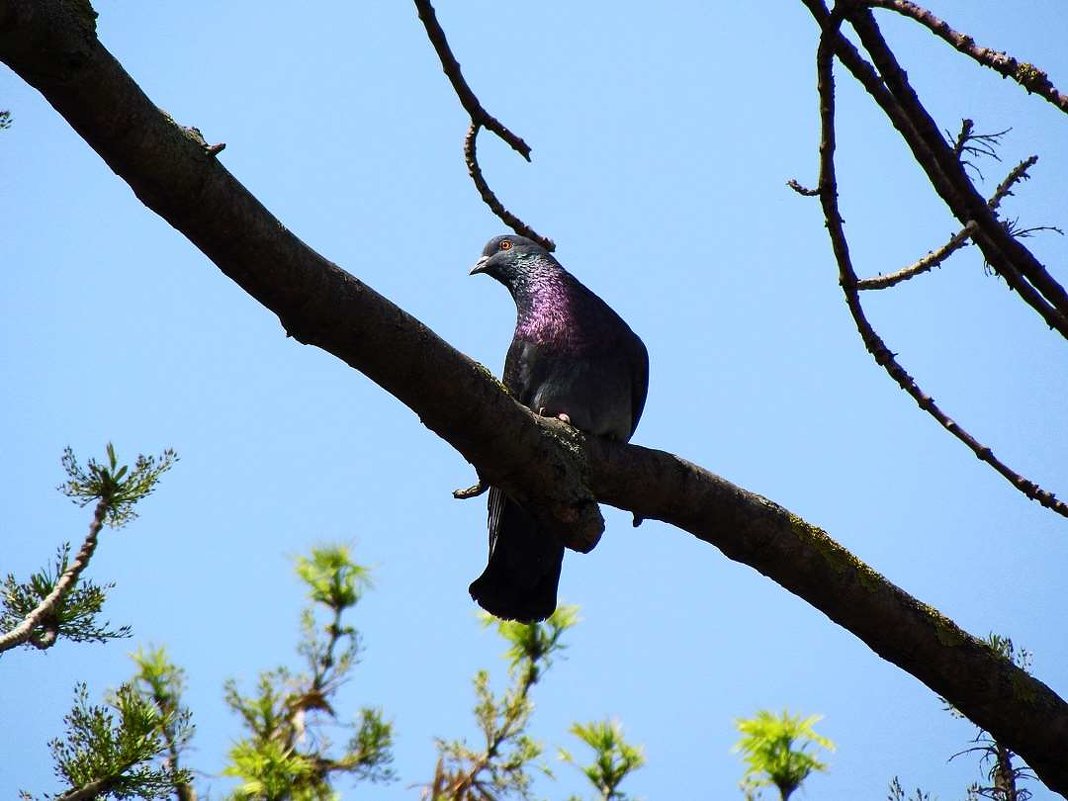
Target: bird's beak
480,266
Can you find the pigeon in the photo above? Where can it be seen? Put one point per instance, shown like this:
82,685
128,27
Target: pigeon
573,358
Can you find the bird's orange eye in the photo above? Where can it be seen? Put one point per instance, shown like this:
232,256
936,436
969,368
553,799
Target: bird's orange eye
506,244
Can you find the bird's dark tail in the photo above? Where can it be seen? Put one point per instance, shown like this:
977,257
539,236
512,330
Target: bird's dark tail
520,581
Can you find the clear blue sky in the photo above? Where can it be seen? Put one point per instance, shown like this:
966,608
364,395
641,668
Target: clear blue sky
663,140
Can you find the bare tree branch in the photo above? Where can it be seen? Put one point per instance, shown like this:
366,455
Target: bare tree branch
890,89
804,191
1021,270
53,46
1027,75
957,241
977,145
27,630
89,792
931,153
928,262
488,195
480,118
1018,173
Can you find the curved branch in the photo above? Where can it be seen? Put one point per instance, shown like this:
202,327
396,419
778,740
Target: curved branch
27,629
467,97
847,278
490,198
91,790
480,118
1026,74
927,263
957,241
56,50
1017,174
1021,270
890,89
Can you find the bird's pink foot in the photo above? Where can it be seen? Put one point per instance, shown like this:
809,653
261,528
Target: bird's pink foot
562,416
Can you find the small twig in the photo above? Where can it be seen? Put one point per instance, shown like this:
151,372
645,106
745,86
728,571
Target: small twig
1017,174
513,222
973,144
961,138
960,239
1027,75
928,262
1015,231
26,630
471,492
883,356
212,150
802,190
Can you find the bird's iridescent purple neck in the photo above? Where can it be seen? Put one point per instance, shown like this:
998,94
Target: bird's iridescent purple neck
548,302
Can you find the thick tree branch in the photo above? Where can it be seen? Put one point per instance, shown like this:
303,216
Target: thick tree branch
54,48
803,559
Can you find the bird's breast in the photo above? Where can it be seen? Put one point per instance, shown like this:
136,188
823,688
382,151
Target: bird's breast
592,387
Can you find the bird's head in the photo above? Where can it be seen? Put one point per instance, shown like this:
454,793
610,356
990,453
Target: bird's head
509,257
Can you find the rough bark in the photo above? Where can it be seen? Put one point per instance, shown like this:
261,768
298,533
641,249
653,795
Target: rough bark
52,44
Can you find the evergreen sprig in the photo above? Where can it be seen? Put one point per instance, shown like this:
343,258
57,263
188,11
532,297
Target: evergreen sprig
50,605
117,486
75,614
161,682
114,750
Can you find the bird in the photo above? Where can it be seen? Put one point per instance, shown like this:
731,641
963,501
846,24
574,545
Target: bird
571,357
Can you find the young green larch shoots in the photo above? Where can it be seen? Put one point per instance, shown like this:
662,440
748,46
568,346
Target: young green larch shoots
502,765
774,749
613,758
286,754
